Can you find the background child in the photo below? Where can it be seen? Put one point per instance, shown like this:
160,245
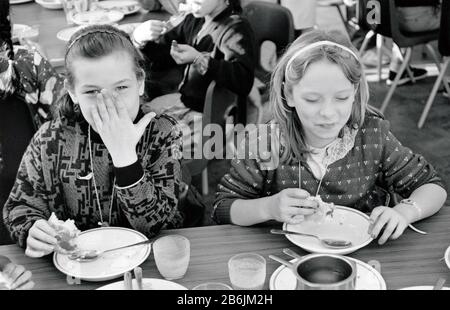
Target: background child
333,145
103,162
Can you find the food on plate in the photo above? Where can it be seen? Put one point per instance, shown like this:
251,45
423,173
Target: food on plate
67,234
324,211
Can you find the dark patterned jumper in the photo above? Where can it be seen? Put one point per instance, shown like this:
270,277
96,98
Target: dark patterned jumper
145,195
377,163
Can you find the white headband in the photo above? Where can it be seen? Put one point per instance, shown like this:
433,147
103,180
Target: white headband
316,44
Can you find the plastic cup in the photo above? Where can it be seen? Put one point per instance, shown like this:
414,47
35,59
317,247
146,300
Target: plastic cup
212,286
172,255
247,271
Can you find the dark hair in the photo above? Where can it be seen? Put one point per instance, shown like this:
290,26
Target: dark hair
94,42
235,6
5,29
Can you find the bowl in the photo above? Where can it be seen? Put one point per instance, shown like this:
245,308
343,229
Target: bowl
50,4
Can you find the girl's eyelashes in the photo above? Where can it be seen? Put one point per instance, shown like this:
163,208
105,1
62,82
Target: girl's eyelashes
342,98
92,92
122,87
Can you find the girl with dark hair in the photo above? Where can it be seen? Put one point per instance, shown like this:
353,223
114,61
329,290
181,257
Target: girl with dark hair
214,42
102,162
332,146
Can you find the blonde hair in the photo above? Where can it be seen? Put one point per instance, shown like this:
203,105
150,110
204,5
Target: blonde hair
291,68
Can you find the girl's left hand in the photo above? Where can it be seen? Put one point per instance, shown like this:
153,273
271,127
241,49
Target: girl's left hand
393,222
20,277
183,53
115,127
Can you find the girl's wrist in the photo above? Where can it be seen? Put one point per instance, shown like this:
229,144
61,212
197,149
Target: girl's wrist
124,159
410,214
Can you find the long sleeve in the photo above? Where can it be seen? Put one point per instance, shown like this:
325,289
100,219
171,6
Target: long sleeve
236,70
27,201
245,180
403,170
150,204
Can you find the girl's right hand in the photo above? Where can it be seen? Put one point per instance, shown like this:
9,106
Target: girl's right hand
291,205
41,239
149,31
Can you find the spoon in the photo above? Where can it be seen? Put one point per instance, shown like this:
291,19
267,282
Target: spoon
439,284
330,243
90,255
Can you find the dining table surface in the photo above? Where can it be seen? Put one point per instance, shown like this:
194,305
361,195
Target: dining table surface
412,260
52,21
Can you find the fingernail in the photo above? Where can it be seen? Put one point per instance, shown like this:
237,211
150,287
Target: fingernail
153,114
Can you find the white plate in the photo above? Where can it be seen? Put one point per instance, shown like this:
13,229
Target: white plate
17,29
19,1
347,223
148,284
126,7
97,17
447,257
50,4
110,265
128,28
66,33
422,288
368,278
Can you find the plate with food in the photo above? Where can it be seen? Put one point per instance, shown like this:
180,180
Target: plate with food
66,33
127,7
97,17
50,4
367,277
331,222
109,265
147,284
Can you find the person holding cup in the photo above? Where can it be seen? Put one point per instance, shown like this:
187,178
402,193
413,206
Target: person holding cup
332,144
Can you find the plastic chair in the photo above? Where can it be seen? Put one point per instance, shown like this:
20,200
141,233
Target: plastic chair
389,27
337,4
270,22
444,49
16,130
220,104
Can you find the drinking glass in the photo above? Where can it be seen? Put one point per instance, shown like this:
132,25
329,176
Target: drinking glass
69,10
172,255
212,286
247,271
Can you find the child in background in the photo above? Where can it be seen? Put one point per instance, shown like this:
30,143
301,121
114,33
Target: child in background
102,162
332,144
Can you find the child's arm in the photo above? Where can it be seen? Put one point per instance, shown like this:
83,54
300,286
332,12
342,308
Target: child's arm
150,203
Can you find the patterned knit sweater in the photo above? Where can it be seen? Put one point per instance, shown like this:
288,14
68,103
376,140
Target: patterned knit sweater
145,195
376,164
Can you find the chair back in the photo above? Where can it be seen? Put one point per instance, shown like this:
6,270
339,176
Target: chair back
389,25
270,22
16,130
220,103
444,31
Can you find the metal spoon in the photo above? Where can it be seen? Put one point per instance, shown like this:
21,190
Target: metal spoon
330,243
83,256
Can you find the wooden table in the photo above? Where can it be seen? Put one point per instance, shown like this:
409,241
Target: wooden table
412,260
52,21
